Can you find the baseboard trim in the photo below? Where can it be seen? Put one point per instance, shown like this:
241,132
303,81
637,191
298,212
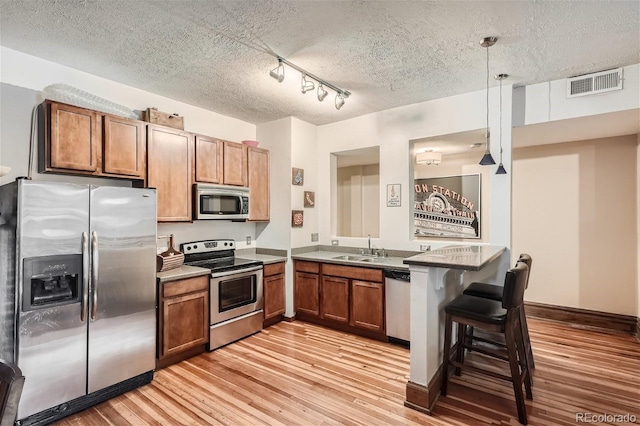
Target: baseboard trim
604,321
290,319
423,398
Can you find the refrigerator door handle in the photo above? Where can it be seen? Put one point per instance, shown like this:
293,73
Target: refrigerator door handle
94,275
85,277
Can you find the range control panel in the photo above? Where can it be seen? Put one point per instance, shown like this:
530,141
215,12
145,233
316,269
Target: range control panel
207,246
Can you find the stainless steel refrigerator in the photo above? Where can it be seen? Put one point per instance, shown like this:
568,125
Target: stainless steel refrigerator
77,292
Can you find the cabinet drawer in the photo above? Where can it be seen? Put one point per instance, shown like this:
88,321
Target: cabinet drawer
189,285
304,266
273,269
366,274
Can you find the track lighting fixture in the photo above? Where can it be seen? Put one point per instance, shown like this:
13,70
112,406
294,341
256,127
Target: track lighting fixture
307,83
501,170
487,159
278,72
321,92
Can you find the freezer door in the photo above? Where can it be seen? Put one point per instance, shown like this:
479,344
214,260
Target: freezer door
51,341
122,319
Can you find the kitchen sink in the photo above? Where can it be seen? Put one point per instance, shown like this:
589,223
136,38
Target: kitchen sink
346,257
374,259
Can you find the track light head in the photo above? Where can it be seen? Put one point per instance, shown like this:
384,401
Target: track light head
278,72
306,84
321,92
339,101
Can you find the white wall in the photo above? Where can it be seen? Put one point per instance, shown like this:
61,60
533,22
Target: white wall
638,216
575,212
548,101
304,149
391,130
23,77
358,201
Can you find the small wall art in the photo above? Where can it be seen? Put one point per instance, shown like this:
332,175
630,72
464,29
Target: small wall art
309,199
297,218
393,195
297,176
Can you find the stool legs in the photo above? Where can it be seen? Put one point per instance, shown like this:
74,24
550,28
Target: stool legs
525,335
462,331
512,350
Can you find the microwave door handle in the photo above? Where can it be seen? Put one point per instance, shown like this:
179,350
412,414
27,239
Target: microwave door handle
85,277
94,275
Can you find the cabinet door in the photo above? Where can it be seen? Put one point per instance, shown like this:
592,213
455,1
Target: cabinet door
123,146
335,299
234,164
258,181
208,160
274,301
307,292
185,322
169,170
74,138
367,305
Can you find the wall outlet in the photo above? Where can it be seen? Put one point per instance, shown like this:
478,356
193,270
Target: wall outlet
335,242
249,240
314,237
425,247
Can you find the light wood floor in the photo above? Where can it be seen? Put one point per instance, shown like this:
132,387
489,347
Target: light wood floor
301,374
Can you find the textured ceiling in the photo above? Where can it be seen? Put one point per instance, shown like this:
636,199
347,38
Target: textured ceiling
217,54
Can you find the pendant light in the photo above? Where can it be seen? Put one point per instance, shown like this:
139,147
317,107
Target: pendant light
501,170
487,159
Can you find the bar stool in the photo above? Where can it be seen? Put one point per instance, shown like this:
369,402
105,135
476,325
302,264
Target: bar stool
494,292
11,383
502,317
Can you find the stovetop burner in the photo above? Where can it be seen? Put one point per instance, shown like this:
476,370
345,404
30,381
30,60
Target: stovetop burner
217,255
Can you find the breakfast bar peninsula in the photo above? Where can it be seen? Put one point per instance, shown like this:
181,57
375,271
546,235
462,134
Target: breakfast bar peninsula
437,277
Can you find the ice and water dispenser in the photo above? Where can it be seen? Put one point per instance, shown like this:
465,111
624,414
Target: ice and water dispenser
51,281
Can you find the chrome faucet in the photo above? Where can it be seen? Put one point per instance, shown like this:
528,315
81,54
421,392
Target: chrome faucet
369,243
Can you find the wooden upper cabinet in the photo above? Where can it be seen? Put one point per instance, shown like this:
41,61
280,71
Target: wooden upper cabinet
258,181
234,164
73,138
209,159
169,170
123,146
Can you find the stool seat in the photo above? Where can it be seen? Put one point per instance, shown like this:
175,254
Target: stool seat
488,291
477,309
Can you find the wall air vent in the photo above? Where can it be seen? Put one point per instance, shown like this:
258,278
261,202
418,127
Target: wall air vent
590,84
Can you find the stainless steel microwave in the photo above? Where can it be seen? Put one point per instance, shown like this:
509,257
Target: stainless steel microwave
220,202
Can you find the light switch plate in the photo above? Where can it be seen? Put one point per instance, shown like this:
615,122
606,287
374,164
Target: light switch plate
334,242
249,240
314,237
425,247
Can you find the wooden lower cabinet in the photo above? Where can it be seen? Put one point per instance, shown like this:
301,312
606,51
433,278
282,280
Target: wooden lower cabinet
367,305
307,293
183,319
335,299
274,292
344,297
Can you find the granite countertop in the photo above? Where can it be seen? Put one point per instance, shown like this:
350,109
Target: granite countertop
469,258
181,273
264,258
330,257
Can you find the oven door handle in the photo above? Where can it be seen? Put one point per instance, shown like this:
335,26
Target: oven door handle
235,272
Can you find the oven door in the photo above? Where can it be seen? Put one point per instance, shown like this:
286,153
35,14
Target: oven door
235,293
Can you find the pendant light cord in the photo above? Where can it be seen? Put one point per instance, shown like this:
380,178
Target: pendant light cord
487,90
500,120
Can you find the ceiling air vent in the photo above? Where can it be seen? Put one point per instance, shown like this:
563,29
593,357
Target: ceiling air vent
590,84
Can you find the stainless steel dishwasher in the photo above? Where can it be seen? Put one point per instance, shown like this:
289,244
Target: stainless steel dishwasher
398,296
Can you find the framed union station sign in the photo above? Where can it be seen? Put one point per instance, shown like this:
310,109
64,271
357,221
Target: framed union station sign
447,207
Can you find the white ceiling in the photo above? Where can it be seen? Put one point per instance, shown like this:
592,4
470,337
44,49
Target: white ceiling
217,54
